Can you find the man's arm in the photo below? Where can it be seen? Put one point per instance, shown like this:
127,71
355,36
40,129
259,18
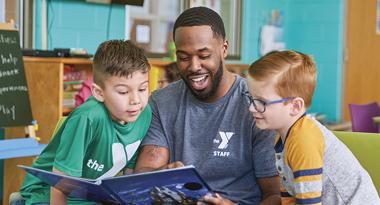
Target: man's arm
153,157
270,188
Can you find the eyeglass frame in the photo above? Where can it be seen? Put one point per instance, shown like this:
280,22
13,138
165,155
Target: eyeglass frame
265,103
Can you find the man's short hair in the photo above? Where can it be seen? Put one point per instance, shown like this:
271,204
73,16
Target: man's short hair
201,16
295,73
118,58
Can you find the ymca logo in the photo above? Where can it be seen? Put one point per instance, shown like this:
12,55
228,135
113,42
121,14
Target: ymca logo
225,136
223,144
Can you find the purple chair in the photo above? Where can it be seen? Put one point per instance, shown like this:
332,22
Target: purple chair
361,117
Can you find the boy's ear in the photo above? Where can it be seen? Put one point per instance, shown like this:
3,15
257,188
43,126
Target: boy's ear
97,92
297,106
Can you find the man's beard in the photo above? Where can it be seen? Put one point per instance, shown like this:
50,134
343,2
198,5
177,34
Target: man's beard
208,92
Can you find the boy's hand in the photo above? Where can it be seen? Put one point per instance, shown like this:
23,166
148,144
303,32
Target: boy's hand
215,199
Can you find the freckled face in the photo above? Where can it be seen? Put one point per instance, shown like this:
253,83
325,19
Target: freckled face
276,116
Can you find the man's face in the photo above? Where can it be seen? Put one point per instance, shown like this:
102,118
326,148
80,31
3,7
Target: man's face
200,57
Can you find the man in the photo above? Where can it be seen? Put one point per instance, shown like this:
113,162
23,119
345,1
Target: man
203,119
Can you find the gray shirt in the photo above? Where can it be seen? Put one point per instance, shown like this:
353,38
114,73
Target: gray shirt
220,139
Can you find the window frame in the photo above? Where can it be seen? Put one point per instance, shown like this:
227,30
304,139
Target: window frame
185,4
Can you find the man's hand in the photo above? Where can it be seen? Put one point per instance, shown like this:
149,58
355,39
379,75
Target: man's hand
215,199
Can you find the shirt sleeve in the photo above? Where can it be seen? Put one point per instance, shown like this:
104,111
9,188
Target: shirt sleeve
305,158
75,138
155,134
132,162
263,153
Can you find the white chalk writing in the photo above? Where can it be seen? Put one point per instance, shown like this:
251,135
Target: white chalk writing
16,88
7,39
8,59
7,73
4,110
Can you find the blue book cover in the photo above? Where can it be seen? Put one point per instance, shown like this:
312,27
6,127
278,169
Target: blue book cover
170,186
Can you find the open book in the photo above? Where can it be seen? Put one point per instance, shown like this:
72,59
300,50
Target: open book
171,186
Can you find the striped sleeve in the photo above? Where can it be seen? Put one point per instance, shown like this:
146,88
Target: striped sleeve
305,158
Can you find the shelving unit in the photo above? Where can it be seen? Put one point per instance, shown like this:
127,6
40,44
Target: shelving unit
45,83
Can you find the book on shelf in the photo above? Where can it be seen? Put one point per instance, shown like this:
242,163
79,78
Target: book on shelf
170,186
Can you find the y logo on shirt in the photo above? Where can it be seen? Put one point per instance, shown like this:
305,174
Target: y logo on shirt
223,143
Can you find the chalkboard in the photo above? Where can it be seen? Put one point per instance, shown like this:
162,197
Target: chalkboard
14,99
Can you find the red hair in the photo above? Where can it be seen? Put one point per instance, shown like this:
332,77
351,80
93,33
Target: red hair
296,73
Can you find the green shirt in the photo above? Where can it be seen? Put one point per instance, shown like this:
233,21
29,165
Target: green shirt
89,144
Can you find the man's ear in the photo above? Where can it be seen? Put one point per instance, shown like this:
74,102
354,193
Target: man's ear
297,106
225,49
97,92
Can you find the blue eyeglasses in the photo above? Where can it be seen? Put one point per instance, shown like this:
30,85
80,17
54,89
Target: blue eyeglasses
261,105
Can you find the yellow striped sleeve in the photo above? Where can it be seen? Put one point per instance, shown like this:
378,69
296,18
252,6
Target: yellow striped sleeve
304,155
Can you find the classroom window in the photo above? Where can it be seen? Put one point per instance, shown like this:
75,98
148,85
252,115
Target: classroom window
151,26
19,12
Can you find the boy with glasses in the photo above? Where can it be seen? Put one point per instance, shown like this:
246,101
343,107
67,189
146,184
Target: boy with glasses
315,167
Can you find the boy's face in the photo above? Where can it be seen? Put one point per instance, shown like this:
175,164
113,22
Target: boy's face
276,116
200,58
124,97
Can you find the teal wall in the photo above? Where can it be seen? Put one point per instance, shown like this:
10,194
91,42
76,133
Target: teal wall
313,27
316,27
256,14
77,24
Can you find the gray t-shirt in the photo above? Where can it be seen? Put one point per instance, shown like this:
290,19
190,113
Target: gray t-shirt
220,139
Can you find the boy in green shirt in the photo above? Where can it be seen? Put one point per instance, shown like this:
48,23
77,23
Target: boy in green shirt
101,137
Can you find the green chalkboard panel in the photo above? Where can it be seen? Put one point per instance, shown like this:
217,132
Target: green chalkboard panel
14,99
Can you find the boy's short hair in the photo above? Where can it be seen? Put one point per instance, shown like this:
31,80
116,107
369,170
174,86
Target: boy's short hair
118,58
295,73
201,16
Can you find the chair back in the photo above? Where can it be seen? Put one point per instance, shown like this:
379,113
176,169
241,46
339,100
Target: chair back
361,117
365,147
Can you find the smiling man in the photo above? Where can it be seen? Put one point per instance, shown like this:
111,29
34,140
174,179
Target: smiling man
203,119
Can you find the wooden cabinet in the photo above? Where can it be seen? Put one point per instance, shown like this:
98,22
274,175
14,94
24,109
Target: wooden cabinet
45,83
